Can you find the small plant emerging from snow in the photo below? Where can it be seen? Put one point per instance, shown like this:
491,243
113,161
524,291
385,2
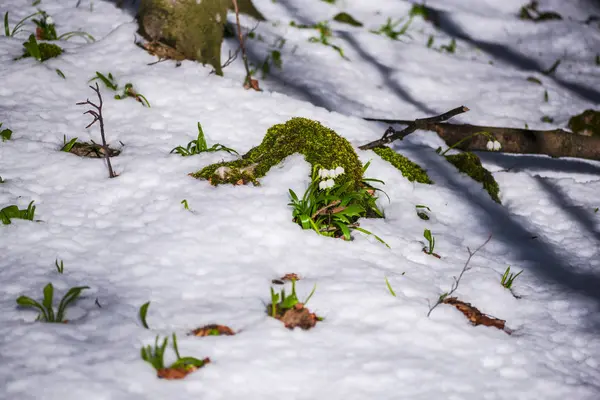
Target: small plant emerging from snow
40,51
324,35
47,313
389,286
97,114
199,145
492,145
59,267
185,204
388,29
67,146
11,212
46,30
330,209
508,278
142,314
5,134
128,90
421,211
430,240
280,302
179,369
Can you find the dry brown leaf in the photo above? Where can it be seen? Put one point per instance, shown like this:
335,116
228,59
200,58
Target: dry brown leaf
205,330
474,315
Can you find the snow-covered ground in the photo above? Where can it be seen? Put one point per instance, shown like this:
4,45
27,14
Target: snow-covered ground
131,240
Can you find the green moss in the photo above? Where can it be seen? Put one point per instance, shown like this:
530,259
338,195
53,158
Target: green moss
319,145
47,51
346,18
410,170
586,123
470,164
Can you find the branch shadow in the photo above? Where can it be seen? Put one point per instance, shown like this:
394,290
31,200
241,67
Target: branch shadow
542,258
535,163
502,52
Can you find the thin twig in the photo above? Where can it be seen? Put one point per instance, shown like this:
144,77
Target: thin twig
323,209
97,114
457,280
391,134
248,81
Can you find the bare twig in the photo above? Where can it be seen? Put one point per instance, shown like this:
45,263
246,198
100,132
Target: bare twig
249,82
391,134
457,280
97,114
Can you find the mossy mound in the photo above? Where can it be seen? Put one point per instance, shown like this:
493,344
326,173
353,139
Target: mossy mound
410,170
587,123
470,164
346,18
47,51
318,144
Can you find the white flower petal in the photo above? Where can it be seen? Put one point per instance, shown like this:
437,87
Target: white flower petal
497,145
49,20
323,185
490,145
330,183
339,171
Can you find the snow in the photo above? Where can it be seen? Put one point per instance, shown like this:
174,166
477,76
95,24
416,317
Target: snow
131,240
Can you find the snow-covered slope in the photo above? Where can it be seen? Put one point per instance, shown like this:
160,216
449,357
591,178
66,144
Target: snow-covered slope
131,240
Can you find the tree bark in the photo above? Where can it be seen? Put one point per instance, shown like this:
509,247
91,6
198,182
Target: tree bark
194,29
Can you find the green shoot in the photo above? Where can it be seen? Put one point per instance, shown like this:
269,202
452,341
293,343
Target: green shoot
199,146
430,239
508,278
389,286
67,146
109,81
46,310
142,314
11,212
421,213
59,267
155,356
185,204
484,133
389,28
60,73
450,48
129,91
545,96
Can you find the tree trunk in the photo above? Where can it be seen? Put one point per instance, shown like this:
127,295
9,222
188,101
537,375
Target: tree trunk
193,28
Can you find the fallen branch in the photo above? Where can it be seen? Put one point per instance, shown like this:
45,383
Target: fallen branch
554,143
391,134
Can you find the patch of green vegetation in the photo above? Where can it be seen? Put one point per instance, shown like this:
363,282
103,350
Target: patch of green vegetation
410,170
319,145
5,134
346,18
40,51
11,212
470,164
586,123
47,313
532,13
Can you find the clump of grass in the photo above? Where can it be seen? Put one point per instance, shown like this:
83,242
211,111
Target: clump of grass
332,209
18,27
40,51
46,30
47,313
324,35
67,146
199,145
280,302
389,28
128,90
155,357
509,278
11,212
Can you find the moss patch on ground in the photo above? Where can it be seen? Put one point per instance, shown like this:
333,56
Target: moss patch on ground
410,170
587,123
318,144
470,164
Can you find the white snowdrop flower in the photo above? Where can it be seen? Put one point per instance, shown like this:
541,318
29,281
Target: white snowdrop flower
339,171
323,185
490,145
49,20
323,173
497,145
330,183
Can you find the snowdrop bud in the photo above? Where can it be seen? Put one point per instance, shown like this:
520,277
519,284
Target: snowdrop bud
323,185
49,20
490,145
339,171
497,145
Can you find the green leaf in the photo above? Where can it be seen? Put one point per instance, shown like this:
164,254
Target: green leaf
175,347
5,134
68,146
184,362
25,301
60,73
6,27
32,48
47,302
389,286
310,295
142,314
201,141
70,297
